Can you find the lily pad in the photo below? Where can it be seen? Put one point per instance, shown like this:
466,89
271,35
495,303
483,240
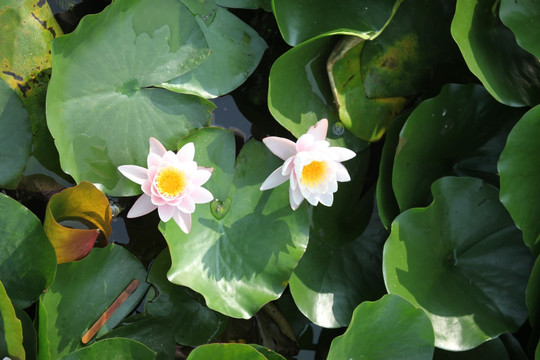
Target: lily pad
192,322
155,333
461,260
85,204
116,348
15,138
228,352
523,18
80,294
28,28
101,113
520,172
24,274
364,117
214,147
342,264
301,20
509,73
244,259
300,74
461,131
11,332
493,349
236,52
389,328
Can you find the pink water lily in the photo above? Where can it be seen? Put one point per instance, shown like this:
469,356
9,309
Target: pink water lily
312,166
171,184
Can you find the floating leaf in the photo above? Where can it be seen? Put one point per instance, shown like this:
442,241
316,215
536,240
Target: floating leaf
15,138
155,333
85,204
301,20
461,132
28,28
236,262
214,147
236,52
11,332
364,117
493,349
523,18
520,173
116,348
80,294
342,264
27,260
390,328
182,306
300,73
386,200
228,352
463,261
509,73
101,113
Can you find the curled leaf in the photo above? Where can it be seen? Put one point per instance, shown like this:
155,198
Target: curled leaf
85,204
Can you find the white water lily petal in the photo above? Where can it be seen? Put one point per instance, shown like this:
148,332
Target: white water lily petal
201,195
201,176
313,170
171,184
156,147
165,212
341,154
319,130
135,173
142,206
186,153
183,220
275,179
281,147
187,205
295,197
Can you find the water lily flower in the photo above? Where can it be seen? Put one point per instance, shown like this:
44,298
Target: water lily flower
171,184
311,164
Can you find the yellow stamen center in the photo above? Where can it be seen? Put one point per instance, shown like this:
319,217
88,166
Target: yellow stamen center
314,173
170,181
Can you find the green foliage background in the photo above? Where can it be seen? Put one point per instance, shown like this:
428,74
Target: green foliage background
429,252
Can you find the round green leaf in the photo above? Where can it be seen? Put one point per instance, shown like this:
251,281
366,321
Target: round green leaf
214,147
156,333
193,323
246,4
226,352
29,334
236,52
28,28
390,328
386,200
268,354
11,331
245,259
461,131
101,113
463,261
301,20
342,264
27,258
533,299
493,349
114,349
80,294
523,18
15,137
520,172
509,73
300,74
